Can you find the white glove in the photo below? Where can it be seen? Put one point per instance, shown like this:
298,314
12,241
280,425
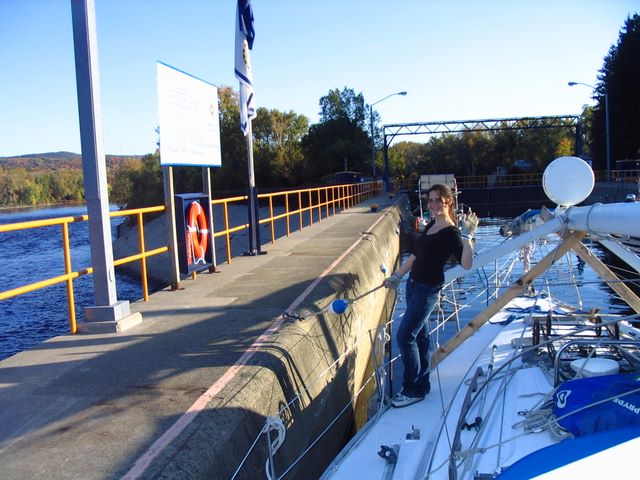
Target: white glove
392,281
469,225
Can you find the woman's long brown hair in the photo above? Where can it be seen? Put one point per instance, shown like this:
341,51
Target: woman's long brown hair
445,194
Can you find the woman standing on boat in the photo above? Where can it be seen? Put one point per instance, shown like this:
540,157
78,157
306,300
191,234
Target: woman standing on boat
441,239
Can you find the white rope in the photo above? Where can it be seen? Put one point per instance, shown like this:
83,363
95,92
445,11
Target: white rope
557,419
244,459
579,330
301,456
327,309
273,423
304,390
493,376
588,217
366,237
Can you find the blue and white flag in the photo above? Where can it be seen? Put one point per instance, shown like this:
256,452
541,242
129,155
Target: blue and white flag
244,42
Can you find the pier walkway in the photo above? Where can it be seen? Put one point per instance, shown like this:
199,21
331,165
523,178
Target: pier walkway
109,405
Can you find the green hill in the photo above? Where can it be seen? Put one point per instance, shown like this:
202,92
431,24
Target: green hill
51,161
46,178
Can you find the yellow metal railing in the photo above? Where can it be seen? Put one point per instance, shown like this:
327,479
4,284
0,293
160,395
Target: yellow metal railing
142,254
69,274
310,202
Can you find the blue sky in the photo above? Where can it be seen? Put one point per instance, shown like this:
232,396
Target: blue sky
457,59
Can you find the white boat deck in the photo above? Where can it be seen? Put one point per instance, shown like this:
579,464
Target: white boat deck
449,382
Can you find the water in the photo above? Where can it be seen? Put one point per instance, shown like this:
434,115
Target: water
28,256
31,255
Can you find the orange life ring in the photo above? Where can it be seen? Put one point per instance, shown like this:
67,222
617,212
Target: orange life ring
198,230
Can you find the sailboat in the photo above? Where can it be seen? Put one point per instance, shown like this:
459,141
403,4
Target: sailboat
531,386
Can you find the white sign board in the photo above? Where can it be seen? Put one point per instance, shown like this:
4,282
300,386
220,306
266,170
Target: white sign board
189,122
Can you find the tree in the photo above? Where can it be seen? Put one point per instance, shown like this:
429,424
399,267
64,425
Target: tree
619,78
586,118
347,104
19,186
136,184
121,183
340,141
398,167
233,173
29,192
541,145
278,147
63,186
413,155
336,145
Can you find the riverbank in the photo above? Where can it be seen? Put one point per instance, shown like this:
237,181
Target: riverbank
19,208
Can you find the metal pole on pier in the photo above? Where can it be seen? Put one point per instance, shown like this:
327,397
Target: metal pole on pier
254,240
108,311
245,35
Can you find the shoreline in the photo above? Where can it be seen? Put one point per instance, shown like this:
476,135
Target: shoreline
42,205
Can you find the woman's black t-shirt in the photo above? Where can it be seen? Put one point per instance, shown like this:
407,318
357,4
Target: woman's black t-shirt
433,251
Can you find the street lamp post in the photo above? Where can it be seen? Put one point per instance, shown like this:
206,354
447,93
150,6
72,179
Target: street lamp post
373,143
606,125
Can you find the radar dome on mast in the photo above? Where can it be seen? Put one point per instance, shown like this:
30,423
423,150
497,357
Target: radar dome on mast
568,181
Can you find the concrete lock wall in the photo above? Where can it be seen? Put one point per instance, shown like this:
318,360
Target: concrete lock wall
297,360
512,201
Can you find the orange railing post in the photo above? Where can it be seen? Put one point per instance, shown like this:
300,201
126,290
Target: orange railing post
286,210
226,228
333,199
326,202
143,260
71,302
273,230
300,210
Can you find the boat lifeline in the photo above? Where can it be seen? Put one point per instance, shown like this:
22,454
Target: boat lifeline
531,386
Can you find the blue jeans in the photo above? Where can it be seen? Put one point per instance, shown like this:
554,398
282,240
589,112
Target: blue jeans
413,337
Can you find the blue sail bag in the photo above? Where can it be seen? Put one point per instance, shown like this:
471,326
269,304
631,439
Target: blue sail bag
621,410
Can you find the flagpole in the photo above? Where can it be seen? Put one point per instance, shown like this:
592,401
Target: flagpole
245,35
254,247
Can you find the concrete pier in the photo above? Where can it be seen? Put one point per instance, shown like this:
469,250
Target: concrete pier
187,393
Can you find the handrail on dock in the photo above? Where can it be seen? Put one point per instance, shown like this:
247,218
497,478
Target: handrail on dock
309,201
